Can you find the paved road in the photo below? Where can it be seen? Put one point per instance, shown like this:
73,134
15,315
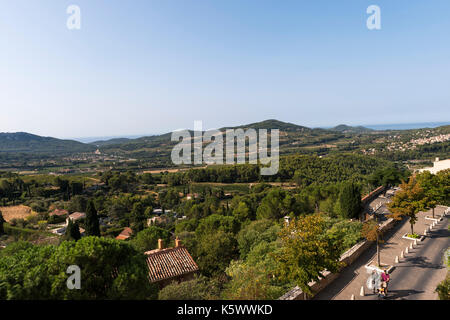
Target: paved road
418,275
415,277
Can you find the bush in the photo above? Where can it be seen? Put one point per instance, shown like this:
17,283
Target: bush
443,289
39,206
111,269
414,235
56,219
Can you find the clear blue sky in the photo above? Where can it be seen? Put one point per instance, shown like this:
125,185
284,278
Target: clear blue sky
142,67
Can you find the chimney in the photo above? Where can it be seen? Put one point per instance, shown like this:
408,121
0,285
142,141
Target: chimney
177,242
160,244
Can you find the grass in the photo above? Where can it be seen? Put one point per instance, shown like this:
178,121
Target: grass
16,212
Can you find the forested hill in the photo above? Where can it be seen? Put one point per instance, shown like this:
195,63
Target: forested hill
26,142
294,139
346,128
274,124
289,132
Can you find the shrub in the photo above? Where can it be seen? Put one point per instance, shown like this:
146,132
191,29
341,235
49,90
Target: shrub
200,288
443,289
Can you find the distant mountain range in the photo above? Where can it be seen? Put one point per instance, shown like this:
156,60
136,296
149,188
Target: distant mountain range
292,137
27,142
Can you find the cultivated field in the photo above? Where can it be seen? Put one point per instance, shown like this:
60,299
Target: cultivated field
17,212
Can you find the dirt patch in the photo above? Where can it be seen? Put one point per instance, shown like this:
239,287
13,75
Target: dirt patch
17,212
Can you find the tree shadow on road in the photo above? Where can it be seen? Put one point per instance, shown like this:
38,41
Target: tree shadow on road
420,262
399,294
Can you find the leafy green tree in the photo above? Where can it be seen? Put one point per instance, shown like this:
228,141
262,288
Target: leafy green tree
346,232
216,222
78,203
277,204
408,201
147,239
215,251
432,189
443,178
372,232
147,178
24,272
110,269
92,223
388,177
242,212
254,233
250,282
307,251
138,217
349,201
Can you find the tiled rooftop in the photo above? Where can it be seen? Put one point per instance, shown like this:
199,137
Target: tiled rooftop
169,263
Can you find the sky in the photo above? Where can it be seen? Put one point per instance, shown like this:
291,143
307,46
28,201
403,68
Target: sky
153,66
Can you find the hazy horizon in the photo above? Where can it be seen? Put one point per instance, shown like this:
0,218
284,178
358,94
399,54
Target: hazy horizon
393,126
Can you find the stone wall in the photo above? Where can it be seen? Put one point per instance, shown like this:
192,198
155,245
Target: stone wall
375,193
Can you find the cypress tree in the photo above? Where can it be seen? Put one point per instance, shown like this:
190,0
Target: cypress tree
73,231
2,221
92,224
349,202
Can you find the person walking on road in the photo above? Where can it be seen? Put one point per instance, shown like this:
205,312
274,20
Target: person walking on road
385,278
374,281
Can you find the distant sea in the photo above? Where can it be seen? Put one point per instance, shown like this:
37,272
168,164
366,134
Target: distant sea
407,126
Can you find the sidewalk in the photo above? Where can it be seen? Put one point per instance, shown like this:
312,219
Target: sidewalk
408,274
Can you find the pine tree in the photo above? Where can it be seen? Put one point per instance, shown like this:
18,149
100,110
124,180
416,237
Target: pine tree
92,224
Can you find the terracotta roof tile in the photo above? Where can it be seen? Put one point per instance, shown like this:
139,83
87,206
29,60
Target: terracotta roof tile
168,263
77,215
58,212
125,234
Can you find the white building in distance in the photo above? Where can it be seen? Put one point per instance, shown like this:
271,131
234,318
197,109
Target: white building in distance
437,166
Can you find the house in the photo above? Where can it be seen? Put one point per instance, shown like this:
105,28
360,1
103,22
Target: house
77,216
59,213
166,265
157,220
192,196
438,165
125,234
